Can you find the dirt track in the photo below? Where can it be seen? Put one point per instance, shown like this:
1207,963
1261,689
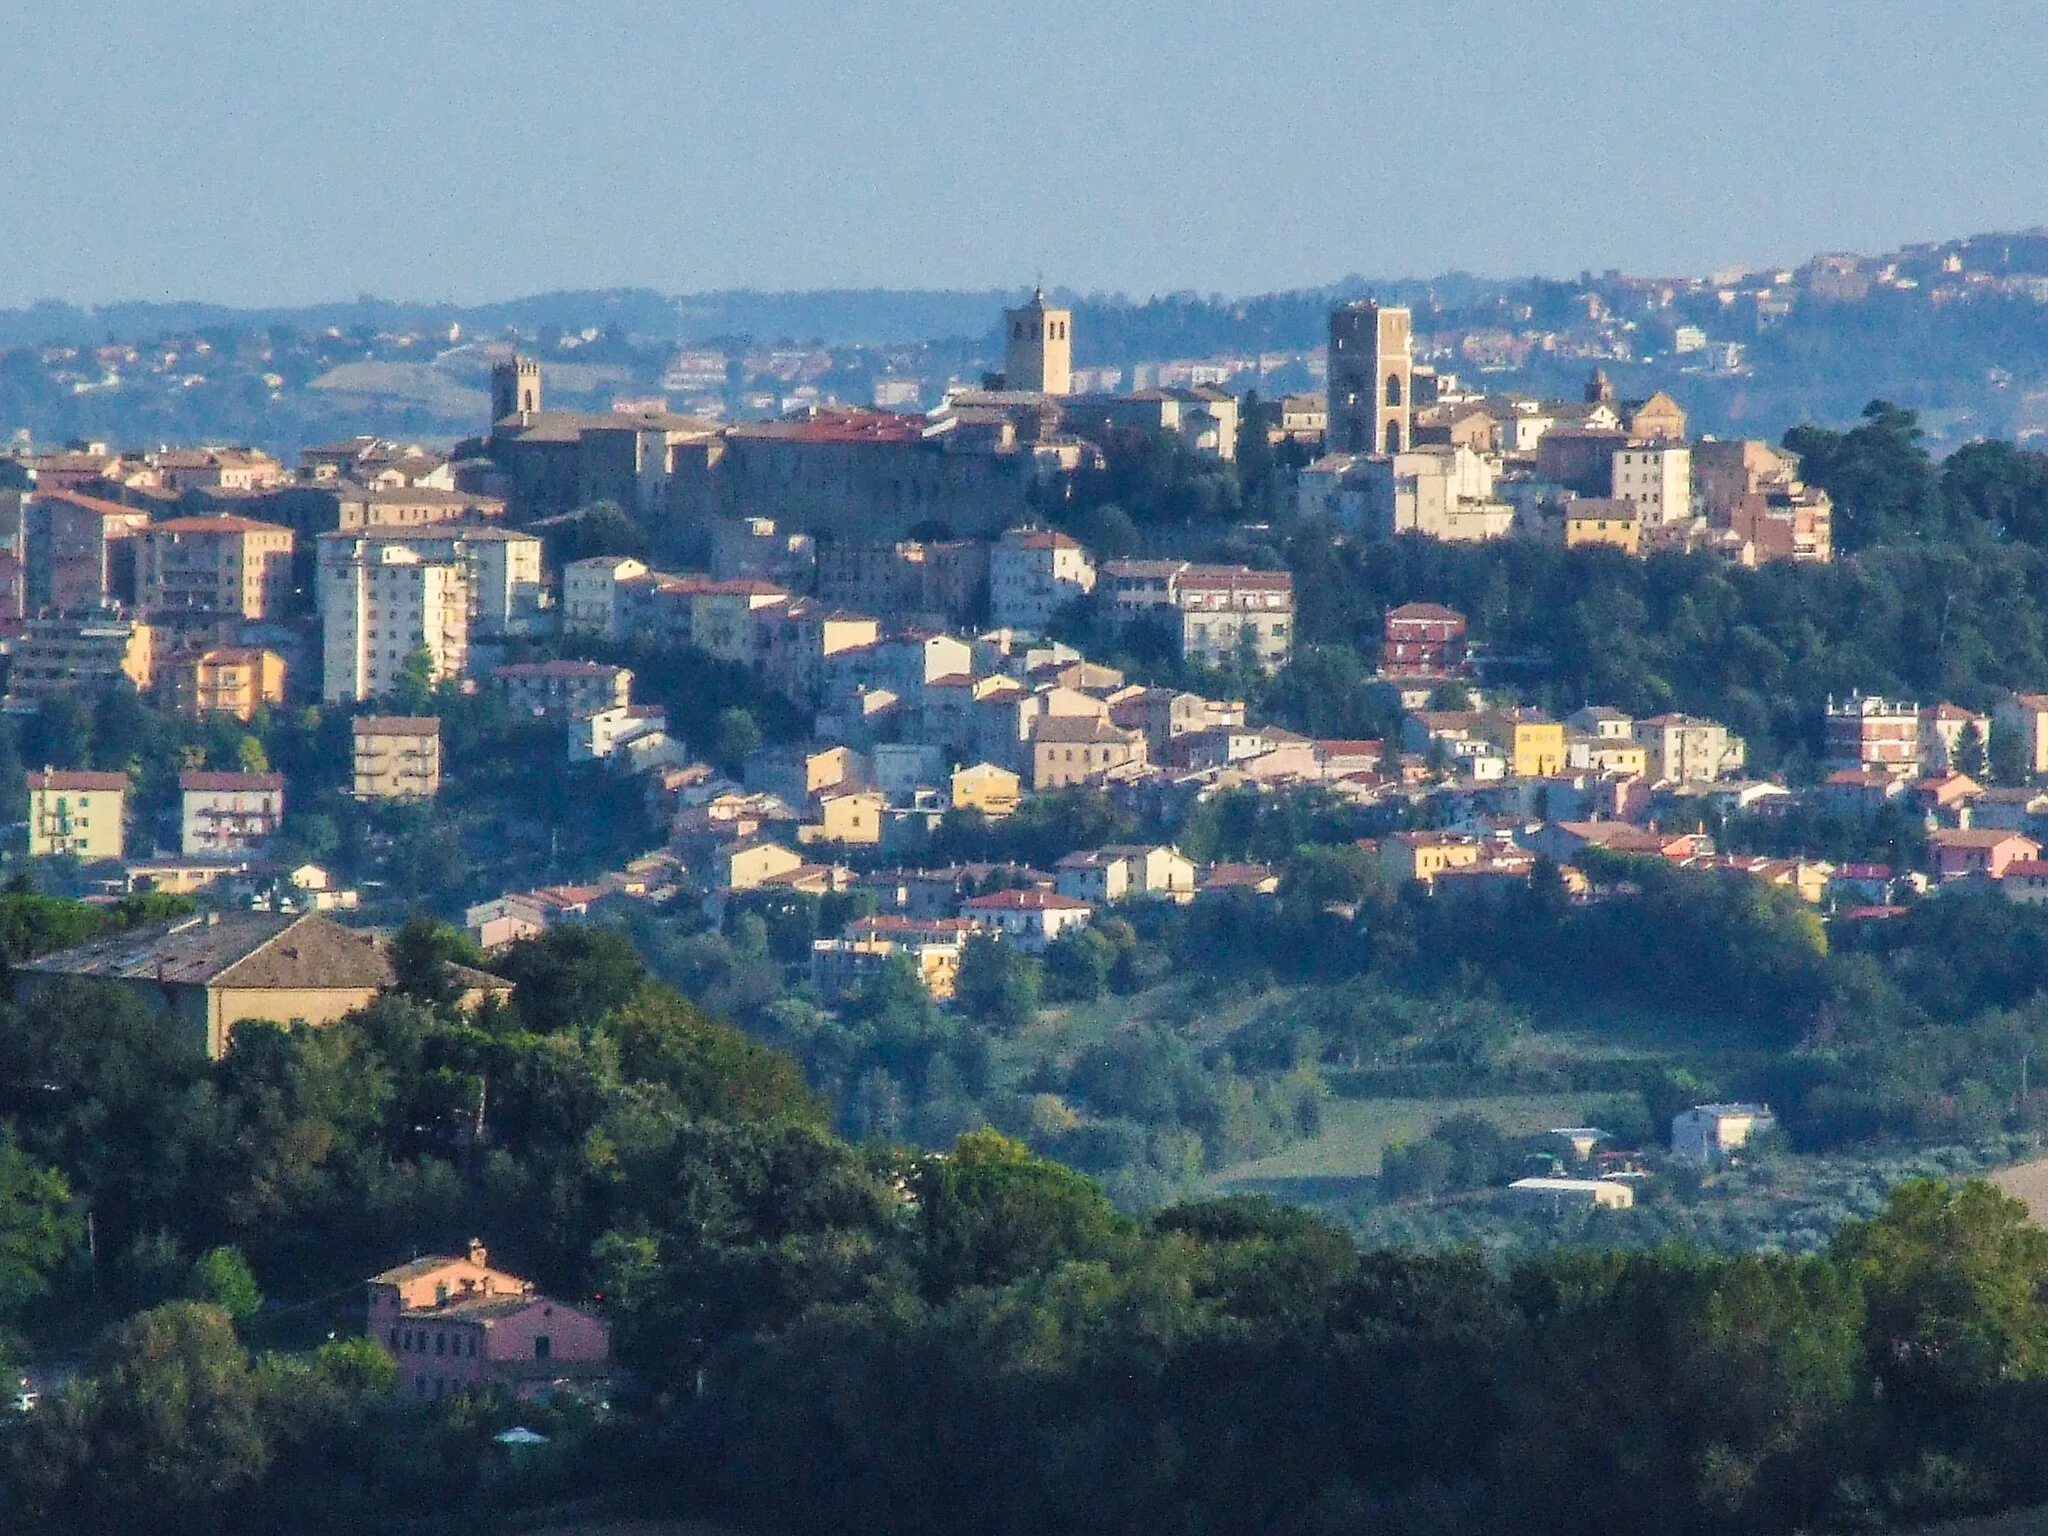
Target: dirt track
2028,1182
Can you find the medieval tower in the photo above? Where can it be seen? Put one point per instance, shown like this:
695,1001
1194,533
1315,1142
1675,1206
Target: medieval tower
1038,349
515,388
1371,376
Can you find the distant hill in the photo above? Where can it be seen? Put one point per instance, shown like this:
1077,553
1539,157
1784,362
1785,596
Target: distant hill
1957,330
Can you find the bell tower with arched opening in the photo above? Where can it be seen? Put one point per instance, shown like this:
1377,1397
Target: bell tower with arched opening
515,388
1038,347
1371,379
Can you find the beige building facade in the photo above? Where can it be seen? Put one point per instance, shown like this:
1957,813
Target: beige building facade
77,813
396,757
222,565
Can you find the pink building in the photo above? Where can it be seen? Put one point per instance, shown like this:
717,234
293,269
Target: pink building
457,1325
1960,851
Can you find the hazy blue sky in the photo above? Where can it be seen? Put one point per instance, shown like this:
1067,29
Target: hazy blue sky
471,149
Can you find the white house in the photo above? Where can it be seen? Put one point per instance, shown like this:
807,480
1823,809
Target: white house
590,594
1032,573
596,737
1707,1133
1029,919
1101,875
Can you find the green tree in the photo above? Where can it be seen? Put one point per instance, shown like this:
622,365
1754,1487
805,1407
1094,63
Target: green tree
413,690
32,925
167,1429
142,908
737,738
2007,755
222,1278
421,957
571,976
989,1212
41,1227
1971,752
1078,964
713,1069
998,984
1952,1281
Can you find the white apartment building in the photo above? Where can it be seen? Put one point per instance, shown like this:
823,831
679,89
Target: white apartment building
507,592
390,603
590,594
228,813
1032,573
1229,612
1657,477
1440,491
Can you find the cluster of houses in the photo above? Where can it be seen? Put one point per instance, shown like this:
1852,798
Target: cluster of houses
1588,1173
226,820
1409,451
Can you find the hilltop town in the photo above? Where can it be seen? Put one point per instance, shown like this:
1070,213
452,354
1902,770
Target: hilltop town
1483,817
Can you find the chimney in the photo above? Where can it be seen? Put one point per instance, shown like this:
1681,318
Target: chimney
478,1253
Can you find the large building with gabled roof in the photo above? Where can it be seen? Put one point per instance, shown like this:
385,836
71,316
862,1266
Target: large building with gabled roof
213,971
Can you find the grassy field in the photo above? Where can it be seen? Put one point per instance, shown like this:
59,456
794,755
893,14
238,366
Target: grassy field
1357,1131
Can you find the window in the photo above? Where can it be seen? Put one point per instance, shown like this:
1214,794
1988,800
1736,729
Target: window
440,1343
543,1346
1393,389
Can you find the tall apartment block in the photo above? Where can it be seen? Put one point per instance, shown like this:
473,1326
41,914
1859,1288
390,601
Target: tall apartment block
391,604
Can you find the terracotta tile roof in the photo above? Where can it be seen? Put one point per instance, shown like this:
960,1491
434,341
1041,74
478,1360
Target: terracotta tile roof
397,725
225,522
91,504
1026,901
230,782
64,779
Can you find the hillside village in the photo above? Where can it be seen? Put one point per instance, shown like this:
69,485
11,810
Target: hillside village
943,651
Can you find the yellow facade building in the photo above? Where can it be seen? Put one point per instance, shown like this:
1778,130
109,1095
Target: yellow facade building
1591,522
228,680
397,757
1533,742
1425,855
986,788
853,818
76,813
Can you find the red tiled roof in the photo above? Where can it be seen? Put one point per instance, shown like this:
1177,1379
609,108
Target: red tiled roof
225,522
1026,901
845,426
60,778
91,504
229,782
